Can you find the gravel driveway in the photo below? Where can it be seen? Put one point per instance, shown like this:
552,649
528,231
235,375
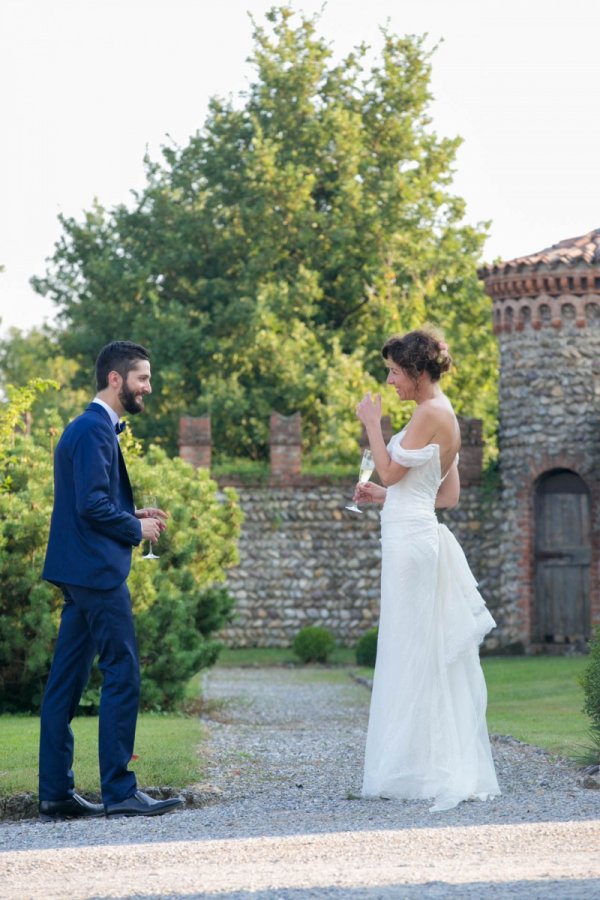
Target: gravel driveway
285,760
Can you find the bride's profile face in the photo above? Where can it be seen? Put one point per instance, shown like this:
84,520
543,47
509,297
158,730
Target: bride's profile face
404,386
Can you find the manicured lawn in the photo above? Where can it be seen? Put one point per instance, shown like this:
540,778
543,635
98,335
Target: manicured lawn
166,747
278,656
538,700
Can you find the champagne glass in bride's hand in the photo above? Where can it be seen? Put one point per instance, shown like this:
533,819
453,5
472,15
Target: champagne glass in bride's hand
366,470
150,503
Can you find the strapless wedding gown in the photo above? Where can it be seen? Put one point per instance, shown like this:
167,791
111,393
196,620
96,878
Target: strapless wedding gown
427,734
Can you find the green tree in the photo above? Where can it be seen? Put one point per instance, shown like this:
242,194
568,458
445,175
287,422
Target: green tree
15,413
23,356
265,262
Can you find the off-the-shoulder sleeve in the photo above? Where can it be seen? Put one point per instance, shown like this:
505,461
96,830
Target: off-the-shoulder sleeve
409,458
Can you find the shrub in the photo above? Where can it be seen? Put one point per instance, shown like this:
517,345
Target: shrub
177,602
313,644
29,607
590,681
366,649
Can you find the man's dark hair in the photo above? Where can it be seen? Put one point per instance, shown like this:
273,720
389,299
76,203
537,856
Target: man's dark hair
118,356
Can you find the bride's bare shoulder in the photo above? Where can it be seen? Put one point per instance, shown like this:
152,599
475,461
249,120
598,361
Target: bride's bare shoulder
436,421
426,421
437,411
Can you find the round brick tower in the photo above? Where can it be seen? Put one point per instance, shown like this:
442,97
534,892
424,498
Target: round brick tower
547,318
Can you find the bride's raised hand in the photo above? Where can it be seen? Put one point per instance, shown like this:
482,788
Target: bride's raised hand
369,409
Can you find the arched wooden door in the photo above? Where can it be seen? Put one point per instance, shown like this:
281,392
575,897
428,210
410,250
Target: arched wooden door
562,559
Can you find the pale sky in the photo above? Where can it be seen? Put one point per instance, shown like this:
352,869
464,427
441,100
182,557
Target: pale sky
86,86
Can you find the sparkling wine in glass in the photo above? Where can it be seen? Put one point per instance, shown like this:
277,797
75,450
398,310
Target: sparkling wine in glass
366,470
150,503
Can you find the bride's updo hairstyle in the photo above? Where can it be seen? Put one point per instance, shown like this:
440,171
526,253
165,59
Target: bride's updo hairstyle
417,352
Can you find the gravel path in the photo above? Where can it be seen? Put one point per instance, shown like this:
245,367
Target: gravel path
285,752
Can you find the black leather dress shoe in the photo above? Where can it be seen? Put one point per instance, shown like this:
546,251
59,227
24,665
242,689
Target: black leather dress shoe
143,805
74,807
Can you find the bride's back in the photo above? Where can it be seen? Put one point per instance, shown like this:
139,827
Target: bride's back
441,428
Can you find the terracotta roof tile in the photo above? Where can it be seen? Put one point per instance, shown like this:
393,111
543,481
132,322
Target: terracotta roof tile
584,249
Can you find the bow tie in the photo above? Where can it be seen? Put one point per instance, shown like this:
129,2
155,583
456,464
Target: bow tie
120,426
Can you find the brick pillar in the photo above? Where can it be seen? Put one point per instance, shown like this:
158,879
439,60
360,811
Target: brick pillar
386,430
286,445
471,452
195,441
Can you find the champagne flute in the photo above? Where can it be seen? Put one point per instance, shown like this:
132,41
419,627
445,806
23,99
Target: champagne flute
367,465
150,503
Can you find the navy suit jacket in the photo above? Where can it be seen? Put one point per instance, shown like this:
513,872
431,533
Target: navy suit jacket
93,526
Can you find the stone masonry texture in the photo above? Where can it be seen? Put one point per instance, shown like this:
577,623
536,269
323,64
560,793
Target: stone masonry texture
305,560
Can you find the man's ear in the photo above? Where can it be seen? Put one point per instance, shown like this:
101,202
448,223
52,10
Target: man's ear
115,380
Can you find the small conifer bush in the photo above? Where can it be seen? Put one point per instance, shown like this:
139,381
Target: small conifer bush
366,649
313,644
590,681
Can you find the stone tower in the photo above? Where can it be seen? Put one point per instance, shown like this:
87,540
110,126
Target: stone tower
547,317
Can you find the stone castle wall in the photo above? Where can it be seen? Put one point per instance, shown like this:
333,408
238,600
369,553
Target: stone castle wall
549,419
304,560
546,312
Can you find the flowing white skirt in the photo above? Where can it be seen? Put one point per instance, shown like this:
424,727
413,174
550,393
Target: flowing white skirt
427,734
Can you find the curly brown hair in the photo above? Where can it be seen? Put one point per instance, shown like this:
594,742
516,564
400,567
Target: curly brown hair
417,352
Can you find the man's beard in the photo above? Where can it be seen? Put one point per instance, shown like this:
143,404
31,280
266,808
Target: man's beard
129,401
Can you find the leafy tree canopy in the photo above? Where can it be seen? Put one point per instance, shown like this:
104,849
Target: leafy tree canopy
23,359
265,263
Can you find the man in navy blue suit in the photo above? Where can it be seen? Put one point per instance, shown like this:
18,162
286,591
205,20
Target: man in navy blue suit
94,526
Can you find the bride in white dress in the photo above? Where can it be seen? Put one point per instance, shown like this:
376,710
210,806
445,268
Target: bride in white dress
427,734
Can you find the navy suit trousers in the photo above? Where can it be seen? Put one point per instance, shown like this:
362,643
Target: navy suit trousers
92,622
